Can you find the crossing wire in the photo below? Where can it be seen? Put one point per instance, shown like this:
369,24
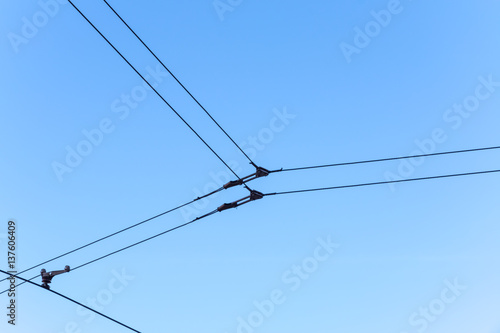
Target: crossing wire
118,232
129,246
215,211
151,86
383,182
389,159
176,79
292,192
287,192
70,299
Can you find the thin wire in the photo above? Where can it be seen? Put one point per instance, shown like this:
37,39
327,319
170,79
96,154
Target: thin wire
385,182
132,245
148,239
72,300
389,159
151,86
303,168
118,232
179,82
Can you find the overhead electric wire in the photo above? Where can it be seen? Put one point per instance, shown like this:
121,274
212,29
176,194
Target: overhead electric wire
215,211
383,182
119,231
130,246
233,183
320,166
179,82
70,299
147,239
292,192
153,88
388,159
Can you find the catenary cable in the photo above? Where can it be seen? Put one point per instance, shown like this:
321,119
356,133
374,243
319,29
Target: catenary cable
260,173
388,159
176,79
147,239
70,299
130,246
383,182
293,192
118,232
153,88
291,169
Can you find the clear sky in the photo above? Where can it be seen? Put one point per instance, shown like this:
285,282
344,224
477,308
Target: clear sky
87,150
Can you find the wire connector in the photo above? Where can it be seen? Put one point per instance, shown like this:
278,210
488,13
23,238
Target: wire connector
254,195
259,172
227,206
233,183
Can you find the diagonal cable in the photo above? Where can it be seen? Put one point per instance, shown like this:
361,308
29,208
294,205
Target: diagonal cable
70,299
147,239
179,82
129,246
153,88
260,173
119,231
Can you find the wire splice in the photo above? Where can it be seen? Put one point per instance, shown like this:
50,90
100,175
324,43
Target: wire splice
254,195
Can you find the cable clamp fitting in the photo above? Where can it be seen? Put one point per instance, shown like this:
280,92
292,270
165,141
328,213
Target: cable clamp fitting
233,183
227,206
254,195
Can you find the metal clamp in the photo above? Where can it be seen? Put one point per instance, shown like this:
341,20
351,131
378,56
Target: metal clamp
259,172
47,276
254,195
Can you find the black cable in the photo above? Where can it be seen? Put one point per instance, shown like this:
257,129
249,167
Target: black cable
72,300
148,239
384,182
118,232
156,91
179,82
130,246
388,159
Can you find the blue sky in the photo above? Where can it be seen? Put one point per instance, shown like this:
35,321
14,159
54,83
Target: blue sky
276,76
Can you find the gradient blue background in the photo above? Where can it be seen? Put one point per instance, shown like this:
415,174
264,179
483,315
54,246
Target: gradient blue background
398,245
